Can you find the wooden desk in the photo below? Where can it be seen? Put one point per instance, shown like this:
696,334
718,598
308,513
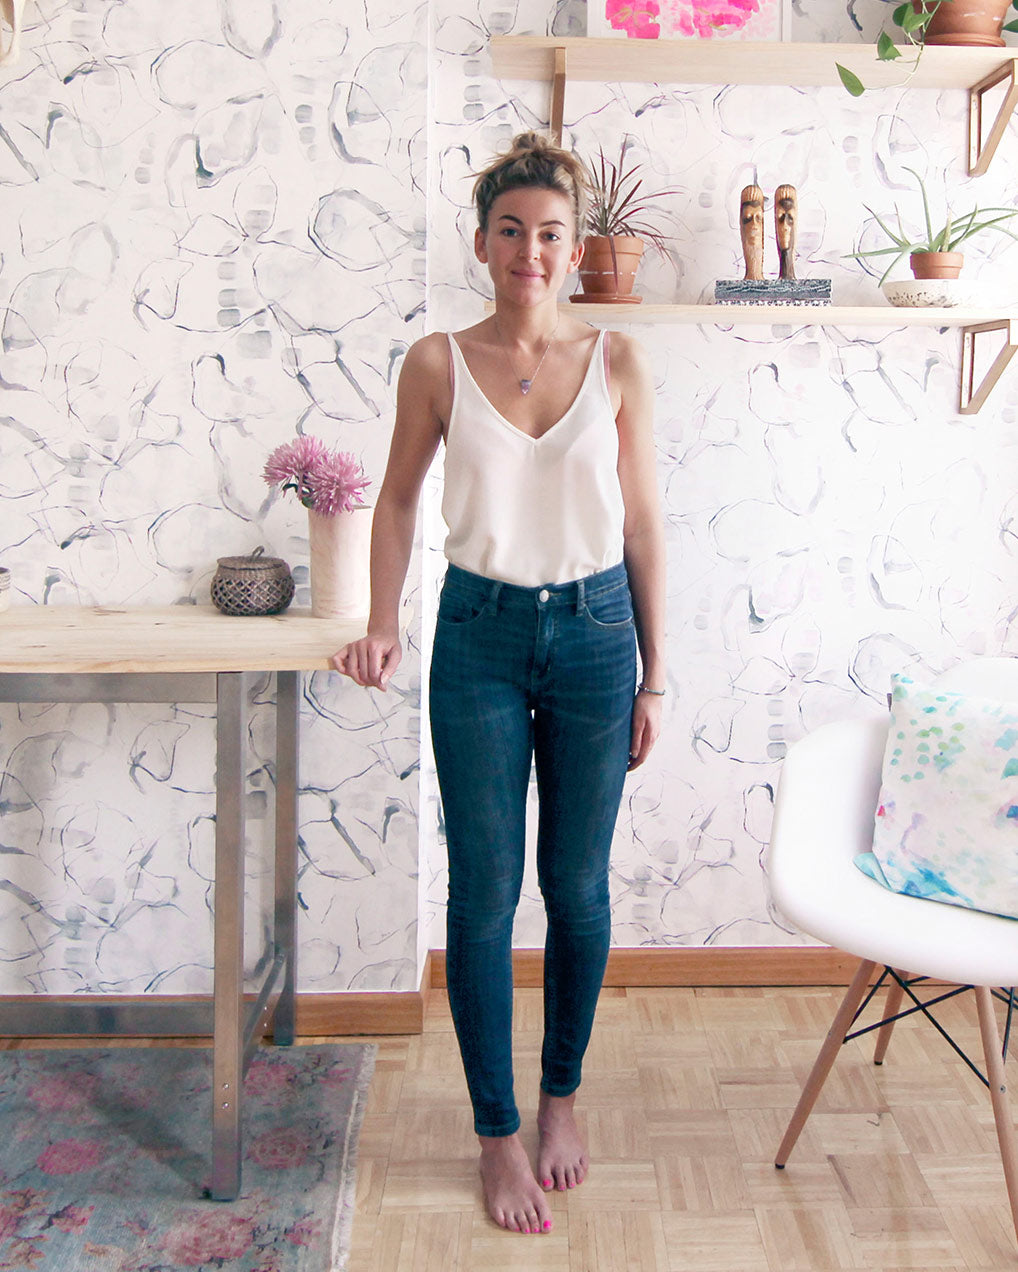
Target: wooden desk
188,653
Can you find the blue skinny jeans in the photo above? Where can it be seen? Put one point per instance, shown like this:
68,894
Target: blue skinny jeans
519,675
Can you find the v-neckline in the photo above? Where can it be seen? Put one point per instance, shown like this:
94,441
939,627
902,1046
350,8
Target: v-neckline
507,422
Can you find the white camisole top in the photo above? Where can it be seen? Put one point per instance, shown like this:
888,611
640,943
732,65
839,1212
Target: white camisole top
529,510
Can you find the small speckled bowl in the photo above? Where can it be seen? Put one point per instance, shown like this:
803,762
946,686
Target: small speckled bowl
942,293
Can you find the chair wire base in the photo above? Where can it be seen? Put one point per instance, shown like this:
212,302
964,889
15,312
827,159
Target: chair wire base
904,987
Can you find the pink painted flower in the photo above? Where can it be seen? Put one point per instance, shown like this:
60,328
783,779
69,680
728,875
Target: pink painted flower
304,1231
72,1218
636,17
280,1150
62,1095
265,1078
70,1157
198,1237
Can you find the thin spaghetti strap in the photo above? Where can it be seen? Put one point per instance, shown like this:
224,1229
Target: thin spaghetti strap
452,365
607,362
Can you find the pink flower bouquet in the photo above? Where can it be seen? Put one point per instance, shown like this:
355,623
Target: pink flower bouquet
326,481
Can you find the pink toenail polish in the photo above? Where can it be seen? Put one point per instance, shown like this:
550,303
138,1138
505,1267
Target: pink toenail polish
547,1224
545,1183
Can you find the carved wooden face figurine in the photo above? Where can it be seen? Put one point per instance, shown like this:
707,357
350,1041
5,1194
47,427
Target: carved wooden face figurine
785,207
784,215
751,219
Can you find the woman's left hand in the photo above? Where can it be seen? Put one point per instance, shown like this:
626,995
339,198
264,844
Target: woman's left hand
646,727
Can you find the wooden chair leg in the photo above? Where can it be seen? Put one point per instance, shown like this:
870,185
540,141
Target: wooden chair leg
824,1061
998,1094
892,1005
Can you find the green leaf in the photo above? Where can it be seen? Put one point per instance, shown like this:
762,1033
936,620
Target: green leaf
898,16
926,205
900,256
850,80
913,22
1011,26
902,239
887,51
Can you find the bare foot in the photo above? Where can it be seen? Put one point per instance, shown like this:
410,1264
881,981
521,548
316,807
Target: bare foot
561,1156
511,1193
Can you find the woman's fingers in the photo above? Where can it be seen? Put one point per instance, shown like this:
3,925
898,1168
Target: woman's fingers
369,662
646,727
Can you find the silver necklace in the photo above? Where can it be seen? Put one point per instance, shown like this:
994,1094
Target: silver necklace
525,383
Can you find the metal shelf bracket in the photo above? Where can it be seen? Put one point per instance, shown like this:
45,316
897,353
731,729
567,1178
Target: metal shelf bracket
973,396
981,153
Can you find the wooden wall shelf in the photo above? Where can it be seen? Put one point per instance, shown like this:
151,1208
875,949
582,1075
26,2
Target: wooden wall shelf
972,394
788,315
762,62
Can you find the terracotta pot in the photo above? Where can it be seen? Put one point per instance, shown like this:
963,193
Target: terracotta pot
605,276
974,22
340,557
936,264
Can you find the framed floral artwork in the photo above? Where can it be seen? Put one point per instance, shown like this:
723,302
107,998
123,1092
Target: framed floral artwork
690,19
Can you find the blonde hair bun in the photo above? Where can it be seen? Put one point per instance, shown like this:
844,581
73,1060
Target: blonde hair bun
533,160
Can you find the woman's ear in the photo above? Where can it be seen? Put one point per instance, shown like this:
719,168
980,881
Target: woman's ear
480,246
576,255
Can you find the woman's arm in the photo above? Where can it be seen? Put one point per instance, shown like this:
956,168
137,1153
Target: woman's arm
643,533
422,402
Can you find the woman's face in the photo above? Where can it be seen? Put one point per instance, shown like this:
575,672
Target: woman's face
530,244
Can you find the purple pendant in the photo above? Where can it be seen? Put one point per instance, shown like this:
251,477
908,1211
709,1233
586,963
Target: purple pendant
525,386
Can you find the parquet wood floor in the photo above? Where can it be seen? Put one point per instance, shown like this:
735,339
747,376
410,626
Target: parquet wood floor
686,1095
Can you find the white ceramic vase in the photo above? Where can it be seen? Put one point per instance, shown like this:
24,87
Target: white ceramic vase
340,560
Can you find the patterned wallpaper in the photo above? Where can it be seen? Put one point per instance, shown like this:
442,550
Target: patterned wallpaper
212,234
224,222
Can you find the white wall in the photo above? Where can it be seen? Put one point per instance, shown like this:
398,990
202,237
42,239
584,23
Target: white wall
830,517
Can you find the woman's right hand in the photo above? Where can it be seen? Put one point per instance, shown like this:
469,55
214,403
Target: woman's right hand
369,661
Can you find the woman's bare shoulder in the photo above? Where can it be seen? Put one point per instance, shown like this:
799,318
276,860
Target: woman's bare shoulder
628,356
429,355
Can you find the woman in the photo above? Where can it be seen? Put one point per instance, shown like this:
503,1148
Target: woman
555,546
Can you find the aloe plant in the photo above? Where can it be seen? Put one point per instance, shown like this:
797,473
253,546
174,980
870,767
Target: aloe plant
954,231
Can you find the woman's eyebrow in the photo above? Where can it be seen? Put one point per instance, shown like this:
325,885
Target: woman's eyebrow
508,216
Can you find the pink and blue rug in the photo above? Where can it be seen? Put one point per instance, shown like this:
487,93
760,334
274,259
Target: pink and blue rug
104,1160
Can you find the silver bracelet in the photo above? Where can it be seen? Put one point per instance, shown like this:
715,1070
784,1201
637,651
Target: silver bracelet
658,693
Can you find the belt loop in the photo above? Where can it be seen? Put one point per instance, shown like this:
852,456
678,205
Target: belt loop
493,598
579,596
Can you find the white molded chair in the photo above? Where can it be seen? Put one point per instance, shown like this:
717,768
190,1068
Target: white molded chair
824,812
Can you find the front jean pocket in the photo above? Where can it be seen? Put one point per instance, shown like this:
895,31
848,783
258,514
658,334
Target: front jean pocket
457,608
610,609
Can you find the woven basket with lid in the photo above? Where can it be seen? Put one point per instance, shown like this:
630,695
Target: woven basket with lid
255,584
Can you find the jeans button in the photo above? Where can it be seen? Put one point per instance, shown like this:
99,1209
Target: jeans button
543,595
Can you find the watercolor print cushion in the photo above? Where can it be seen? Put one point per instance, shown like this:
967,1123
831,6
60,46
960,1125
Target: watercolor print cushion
946,826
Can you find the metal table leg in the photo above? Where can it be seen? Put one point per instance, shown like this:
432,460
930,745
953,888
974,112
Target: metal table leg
228,988
287,732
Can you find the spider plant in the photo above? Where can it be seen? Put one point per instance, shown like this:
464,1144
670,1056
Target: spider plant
955,230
